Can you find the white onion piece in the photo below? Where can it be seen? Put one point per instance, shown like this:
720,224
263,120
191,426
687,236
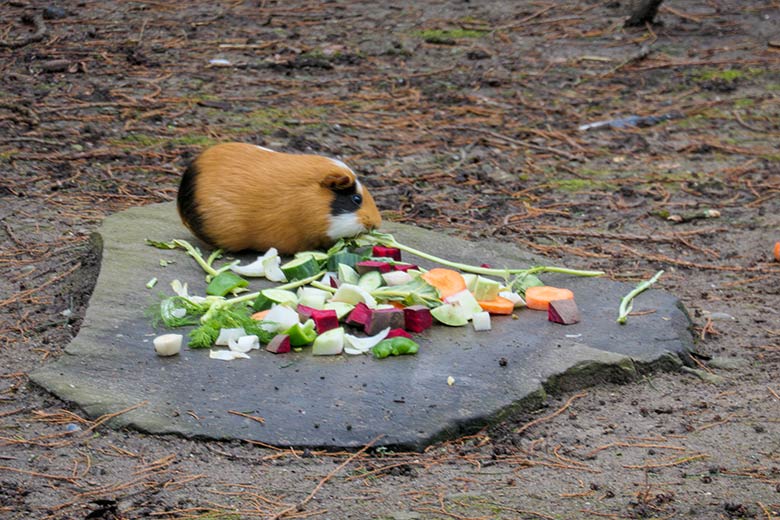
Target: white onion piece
513,297
244,344
363,345
353,294
226,355
396,278
279,318
225,335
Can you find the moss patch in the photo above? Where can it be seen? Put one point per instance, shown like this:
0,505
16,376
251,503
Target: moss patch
449,36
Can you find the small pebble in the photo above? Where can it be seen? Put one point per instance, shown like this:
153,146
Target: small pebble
54,12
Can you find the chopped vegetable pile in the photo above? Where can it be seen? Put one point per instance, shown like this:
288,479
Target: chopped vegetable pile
359,297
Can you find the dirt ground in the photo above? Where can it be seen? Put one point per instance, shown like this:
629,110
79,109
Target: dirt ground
459,115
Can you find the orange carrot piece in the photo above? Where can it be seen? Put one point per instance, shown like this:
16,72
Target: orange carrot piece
777,251
260,316
539,297
498,306
447,281
397,305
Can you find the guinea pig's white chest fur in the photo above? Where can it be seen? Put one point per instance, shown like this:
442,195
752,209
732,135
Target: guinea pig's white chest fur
345,225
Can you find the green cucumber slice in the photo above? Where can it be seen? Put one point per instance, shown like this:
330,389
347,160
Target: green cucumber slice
319,256
343,257
371,281
300,268
281,296
347,274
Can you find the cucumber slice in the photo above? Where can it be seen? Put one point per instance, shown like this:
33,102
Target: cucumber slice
300,268
348,274
319,256
341,308
280,296
371,281
343,257
452,315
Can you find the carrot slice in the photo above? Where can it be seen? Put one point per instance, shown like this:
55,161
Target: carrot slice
539,297
777,251
260,316
500,305
447,281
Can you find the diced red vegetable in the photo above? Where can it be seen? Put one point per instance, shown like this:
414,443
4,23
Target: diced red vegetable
382,318
305,312
324,320
373,265
387,252
359,316
280,344
417,318
488,266
405,267
564,312
394,333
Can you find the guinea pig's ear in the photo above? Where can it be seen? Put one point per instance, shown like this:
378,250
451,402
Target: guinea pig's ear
337,180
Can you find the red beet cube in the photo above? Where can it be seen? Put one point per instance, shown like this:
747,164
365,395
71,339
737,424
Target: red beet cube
417,318
373,265
382,318
564,312
398,332
324,320
305,312
404,267
279,345
387,252
359,316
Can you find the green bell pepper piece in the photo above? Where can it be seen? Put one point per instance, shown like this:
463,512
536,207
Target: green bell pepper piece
397,346
301,333
225,282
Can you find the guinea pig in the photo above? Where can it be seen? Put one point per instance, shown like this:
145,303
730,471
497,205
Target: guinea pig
239,196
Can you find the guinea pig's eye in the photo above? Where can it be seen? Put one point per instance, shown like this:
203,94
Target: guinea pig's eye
357,199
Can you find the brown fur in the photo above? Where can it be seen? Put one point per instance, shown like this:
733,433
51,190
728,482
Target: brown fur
248,198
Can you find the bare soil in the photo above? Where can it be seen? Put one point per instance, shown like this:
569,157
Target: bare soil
461,116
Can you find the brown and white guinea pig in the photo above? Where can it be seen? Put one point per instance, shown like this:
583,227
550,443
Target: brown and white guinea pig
239,196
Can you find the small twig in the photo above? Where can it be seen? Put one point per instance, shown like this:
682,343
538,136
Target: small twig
246,415
302,503
552,415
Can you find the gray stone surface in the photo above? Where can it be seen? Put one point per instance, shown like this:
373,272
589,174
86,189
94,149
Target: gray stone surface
343,401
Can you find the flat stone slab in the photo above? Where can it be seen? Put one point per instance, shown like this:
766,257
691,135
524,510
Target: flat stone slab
343,401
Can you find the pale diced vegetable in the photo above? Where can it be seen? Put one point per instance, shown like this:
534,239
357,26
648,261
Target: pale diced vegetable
329,343
225,335
481,321
167,344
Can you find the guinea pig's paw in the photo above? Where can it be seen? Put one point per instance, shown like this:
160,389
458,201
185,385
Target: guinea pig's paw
345,225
